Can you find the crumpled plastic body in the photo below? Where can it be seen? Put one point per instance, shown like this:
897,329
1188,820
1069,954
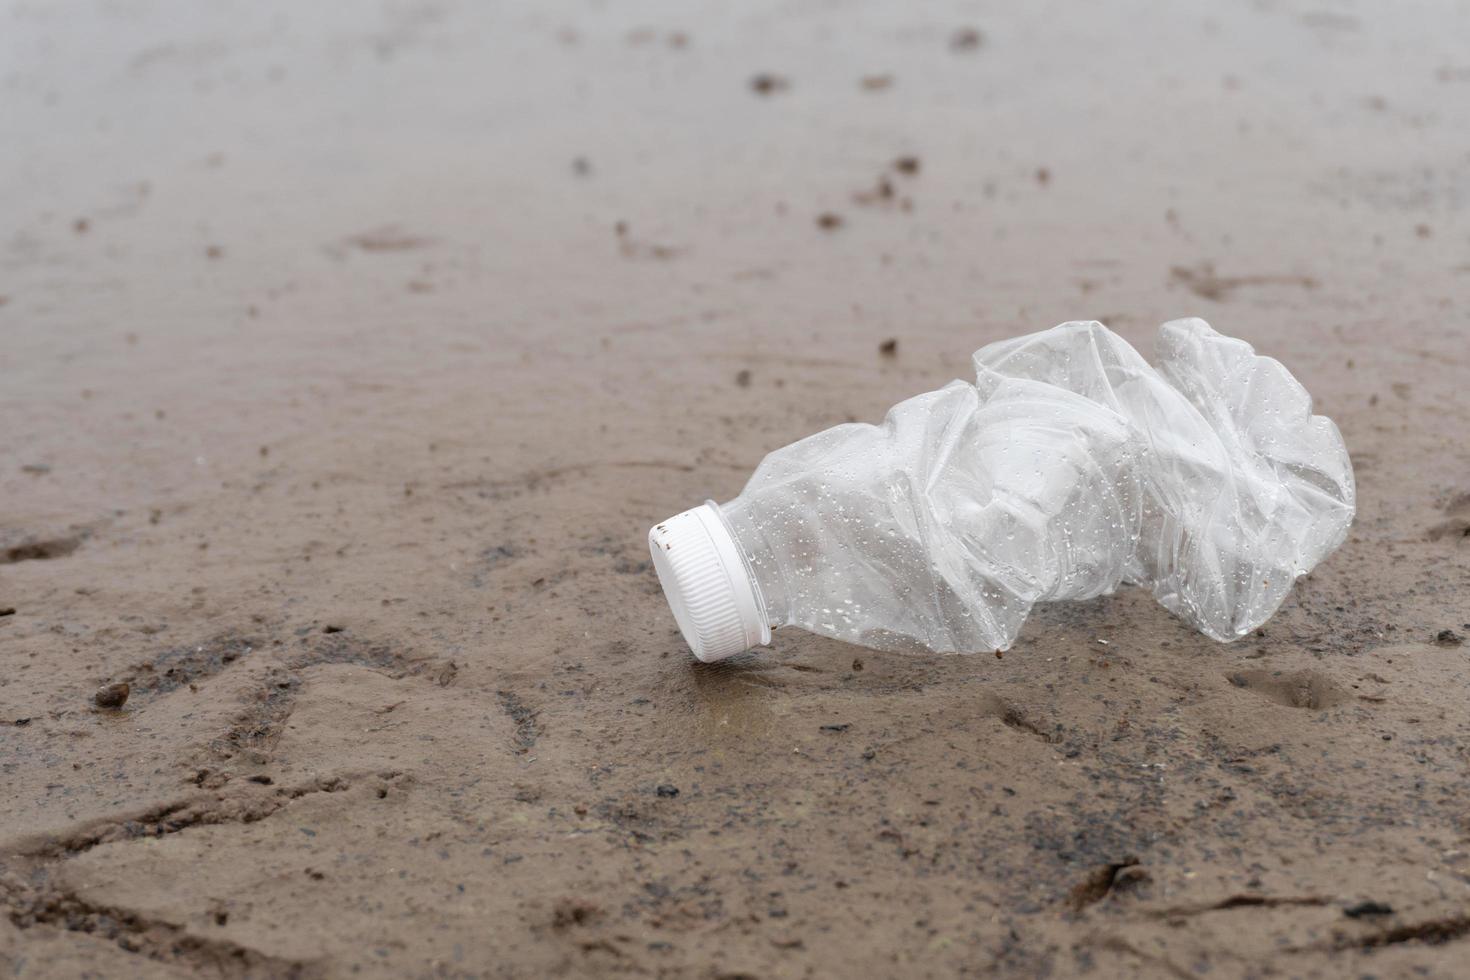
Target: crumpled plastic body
1070,467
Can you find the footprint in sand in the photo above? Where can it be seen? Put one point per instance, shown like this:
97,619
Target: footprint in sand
1298,689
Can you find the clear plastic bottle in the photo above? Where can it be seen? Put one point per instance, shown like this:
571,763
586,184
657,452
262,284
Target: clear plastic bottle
1070,466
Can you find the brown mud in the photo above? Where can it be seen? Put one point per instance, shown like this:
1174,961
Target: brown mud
346,356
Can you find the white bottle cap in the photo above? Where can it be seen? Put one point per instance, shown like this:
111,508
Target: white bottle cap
705,580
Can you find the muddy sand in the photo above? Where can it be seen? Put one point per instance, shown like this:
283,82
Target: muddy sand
346,357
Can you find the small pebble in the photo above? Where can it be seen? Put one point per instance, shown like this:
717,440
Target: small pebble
908,166
768,84
112,696
966,39
668,791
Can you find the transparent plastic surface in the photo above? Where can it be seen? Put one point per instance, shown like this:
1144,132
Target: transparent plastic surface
1070,467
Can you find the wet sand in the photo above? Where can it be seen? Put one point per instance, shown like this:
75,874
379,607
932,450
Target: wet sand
347,358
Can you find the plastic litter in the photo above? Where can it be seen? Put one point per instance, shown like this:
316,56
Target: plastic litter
1070,467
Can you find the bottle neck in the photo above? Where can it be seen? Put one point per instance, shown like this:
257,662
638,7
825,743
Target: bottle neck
760,560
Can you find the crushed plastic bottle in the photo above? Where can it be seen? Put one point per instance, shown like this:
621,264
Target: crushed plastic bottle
1070,467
